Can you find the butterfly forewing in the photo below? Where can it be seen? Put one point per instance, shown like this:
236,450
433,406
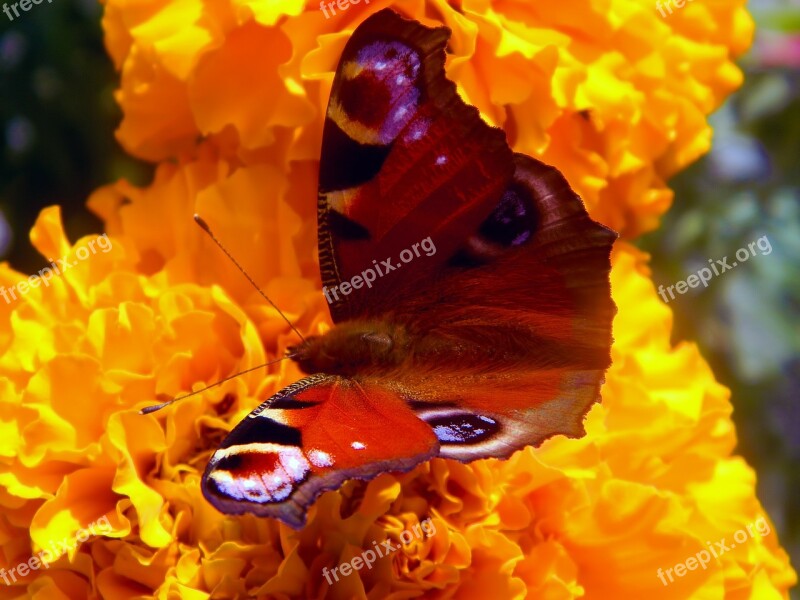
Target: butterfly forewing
403,159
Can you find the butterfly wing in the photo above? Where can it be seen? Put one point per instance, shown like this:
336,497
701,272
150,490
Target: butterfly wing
403,159
519,278
515,299
310,437
503,330
516,327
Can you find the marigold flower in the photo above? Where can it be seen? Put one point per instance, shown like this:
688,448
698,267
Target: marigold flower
609,91
605,89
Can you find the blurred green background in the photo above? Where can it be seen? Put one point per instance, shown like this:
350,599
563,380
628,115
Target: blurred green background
57,118
746,321
57,115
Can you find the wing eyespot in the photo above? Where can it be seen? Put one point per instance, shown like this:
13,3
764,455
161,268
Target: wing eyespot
459,427
512,223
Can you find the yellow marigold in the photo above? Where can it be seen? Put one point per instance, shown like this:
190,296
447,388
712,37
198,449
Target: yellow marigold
609,91
652,483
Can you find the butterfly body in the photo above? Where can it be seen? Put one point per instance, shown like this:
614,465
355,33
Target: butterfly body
467,284
353,348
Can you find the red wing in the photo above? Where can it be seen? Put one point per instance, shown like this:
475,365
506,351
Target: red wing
311,437
518,324
510,319
403,159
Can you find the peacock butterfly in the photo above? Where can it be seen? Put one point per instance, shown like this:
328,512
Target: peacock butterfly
496,336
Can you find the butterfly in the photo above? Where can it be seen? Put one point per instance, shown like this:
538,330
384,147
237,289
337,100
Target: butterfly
468,287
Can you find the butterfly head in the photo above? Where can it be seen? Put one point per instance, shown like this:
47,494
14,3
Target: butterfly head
351,348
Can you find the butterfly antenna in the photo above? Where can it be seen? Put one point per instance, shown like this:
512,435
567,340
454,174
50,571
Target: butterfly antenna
199,220
151,409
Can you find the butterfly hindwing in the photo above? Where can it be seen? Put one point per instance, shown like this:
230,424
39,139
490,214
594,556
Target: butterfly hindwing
519,320
311,437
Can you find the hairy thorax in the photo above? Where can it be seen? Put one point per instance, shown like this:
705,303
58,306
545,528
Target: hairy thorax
353,348
380,348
